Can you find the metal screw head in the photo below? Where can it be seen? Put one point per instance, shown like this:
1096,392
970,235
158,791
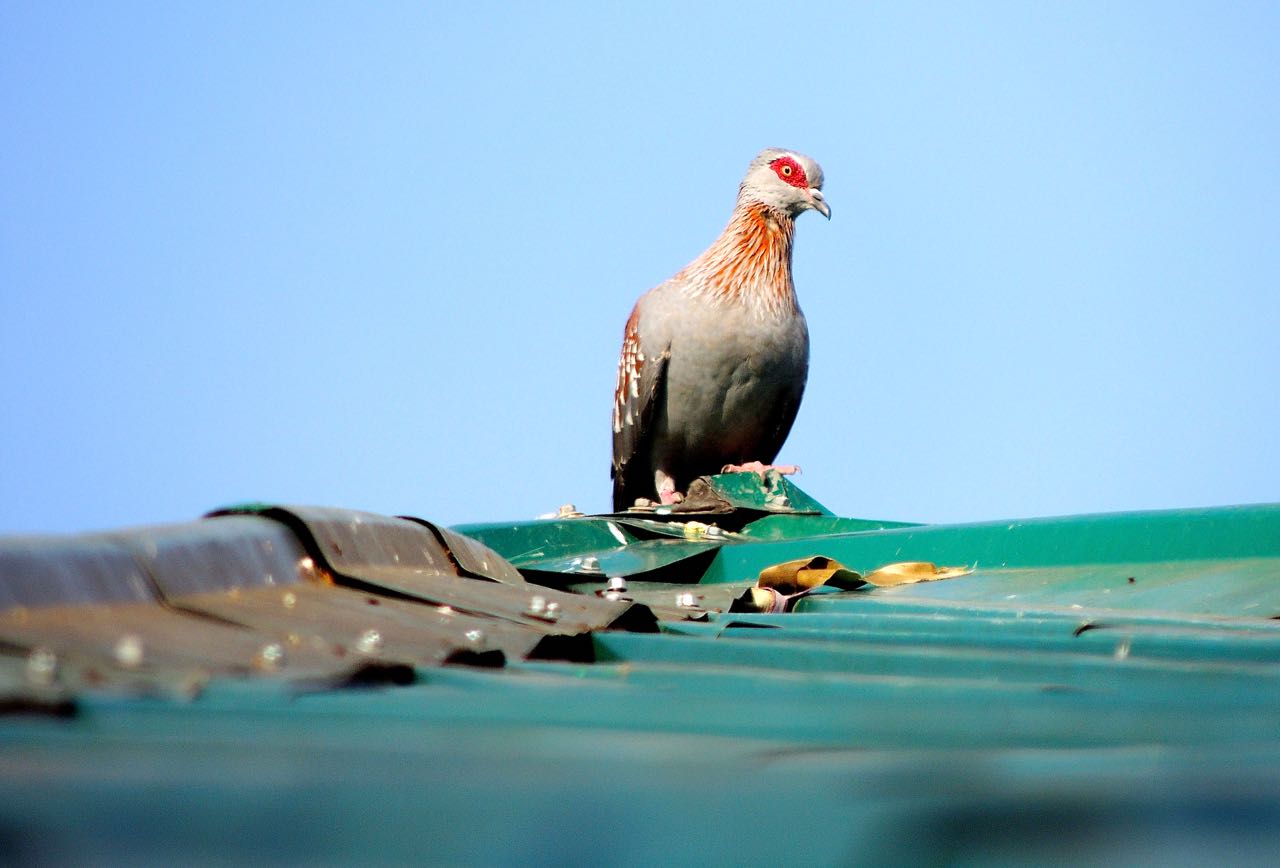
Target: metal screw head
687,600
370,643
129,651
542,608
270,657
42,667
617,583
475,637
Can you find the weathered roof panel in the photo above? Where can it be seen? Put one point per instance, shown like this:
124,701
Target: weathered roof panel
274,685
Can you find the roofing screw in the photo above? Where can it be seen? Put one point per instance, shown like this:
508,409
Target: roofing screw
590,565
617,583
370,642
475,637
687,600
270,656
540,607
42,667
129,651
712,530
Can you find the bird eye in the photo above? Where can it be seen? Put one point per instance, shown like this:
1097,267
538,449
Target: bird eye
789,172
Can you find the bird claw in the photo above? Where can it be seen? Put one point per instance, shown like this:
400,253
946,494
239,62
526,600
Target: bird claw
670,497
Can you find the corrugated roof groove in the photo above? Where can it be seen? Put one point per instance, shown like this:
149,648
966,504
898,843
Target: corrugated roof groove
1087,668
1222,533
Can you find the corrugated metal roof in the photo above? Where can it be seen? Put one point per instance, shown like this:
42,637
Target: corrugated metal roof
273,684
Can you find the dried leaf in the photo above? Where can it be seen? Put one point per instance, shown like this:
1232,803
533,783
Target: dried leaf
910,572
806,574
760,600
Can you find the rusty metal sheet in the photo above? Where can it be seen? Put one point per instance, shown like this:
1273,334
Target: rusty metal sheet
365,627
151,640
400,556
29,686
35,678
42,571
545,609
477,559
358,544
232,552
669,601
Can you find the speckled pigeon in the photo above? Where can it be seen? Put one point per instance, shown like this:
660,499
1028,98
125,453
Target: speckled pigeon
714,360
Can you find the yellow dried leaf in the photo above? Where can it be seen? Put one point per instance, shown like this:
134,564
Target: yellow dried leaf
806,574
762,599
910,572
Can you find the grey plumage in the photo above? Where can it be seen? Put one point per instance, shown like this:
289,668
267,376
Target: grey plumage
715,359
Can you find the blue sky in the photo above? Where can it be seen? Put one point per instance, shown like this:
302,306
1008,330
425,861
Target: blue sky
380,255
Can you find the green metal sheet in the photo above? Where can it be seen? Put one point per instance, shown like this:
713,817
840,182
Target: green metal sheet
1124,538
529,542
1098,689
748,492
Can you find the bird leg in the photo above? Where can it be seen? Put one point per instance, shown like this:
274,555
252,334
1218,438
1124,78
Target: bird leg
761,469
666,488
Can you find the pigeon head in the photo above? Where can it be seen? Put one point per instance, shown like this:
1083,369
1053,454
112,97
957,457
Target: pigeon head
786,180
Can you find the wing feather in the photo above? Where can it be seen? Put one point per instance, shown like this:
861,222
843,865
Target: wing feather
641,380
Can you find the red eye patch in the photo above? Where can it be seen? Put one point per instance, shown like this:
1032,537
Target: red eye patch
789,170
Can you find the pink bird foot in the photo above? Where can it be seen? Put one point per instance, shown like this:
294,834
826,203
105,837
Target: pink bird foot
667,489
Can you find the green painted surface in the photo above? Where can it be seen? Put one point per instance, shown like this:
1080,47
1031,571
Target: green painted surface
1100,689
527,542
782,527
1221,534
775,493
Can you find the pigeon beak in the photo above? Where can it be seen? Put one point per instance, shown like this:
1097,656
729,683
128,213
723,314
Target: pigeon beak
818,203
